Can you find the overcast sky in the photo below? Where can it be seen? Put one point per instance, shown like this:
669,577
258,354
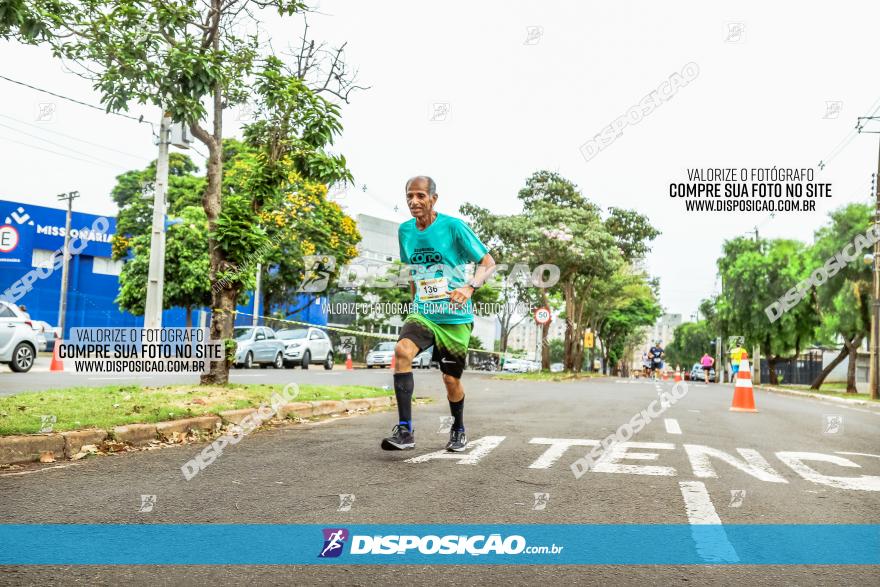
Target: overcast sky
520,87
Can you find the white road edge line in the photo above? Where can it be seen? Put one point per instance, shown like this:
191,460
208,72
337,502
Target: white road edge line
672,426
706,529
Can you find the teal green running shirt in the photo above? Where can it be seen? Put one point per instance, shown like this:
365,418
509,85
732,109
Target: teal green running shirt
438,257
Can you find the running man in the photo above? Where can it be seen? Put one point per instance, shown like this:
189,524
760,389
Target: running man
655,355
437,248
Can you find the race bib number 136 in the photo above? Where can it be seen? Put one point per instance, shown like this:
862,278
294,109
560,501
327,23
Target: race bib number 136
433,289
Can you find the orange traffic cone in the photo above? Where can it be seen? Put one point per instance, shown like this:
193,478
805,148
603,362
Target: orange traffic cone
743,397
348,364
392,362
57,364
677,376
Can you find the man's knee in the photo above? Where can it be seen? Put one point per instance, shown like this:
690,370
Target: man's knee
450,381
405,350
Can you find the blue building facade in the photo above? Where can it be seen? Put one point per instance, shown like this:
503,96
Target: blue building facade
31,238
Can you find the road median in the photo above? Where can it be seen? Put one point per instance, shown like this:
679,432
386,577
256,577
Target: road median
71,423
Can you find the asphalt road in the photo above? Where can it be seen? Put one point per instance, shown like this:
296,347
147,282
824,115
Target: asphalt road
296,474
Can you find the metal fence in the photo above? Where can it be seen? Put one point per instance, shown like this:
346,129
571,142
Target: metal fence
801,370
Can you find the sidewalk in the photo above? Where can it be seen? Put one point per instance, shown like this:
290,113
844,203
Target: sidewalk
874,406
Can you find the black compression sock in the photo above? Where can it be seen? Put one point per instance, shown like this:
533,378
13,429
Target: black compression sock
457,410
403,390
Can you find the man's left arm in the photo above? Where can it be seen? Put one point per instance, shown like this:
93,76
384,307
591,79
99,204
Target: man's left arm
475,251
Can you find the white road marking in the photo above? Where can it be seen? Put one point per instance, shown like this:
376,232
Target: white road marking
754,464
694,411
708,533
795,460
249,375
558,446
477,450
609,461
697,503
37,470
859,454
672,426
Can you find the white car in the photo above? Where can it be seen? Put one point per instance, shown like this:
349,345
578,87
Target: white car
516,366
423,359
18,341
46,336
381,355
306,346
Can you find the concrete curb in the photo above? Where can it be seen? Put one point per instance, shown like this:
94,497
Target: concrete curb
135,434
297,409
76,439
828,398
18,449
27,447
236,416
187,425
327,408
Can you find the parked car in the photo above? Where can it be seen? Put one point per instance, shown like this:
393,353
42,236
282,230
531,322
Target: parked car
697,373
46,336
18,341
306,346
423,359
518,366
257,345
380,355
556,367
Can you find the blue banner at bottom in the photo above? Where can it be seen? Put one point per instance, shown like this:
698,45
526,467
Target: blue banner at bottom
557,544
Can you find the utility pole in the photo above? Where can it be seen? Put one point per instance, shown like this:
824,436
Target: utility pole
257,294
756,350
874,371
875,316
156,277
62,305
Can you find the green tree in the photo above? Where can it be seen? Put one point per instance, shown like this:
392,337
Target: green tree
754,275
690,341
636,308
193,60
186,267
186,253
844,301
504,237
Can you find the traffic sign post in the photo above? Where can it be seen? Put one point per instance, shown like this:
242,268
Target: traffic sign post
542,315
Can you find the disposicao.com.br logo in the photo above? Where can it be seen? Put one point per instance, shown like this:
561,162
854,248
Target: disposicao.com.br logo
393,544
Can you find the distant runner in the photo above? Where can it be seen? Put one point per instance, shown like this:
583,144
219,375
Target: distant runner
706,362
736,355
655,355
438,248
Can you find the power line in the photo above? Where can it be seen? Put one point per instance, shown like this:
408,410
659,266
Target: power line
75,101
39,138
141,157
81,103
61,154
844,143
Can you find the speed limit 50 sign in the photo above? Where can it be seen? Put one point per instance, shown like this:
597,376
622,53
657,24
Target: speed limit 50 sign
542,315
